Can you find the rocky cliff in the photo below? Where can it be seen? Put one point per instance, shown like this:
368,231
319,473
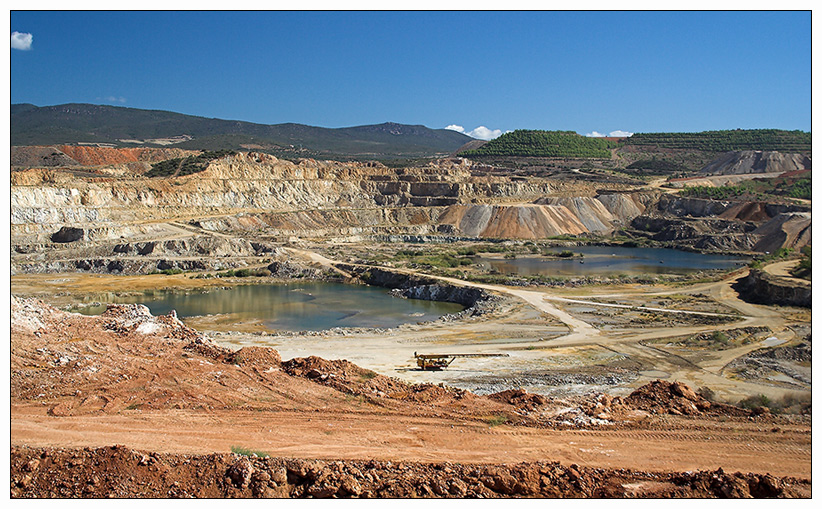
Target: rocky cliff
249,190
763,288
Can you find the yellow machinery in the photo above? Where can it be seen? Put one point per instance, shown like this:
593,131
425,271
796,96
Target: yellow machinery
439,361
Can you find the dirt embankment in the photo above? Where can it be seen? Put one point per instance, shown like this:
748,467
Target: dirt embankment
121,472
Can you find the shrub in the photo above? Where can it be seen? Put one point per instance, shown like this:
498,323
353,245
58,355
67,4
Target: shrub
496,420
707,393
720,337
753,402
803,270
248,452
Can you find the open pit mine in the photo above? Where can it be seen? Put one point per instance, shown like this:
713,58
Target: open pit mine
148,361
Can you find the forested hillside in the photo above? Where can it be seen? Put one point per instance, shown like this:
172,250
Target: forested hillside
527,143
70,124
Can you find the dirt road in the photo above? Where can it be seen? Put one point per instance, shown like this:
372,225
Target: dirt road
682,445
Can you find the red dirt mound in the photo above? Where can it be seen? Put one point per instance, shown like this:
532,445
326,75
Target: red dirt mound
343,376
256,356
95,156
676,398
520,399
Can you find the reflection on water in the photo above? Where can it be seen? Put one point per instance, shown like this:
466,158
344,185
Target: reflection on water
295,307
613,261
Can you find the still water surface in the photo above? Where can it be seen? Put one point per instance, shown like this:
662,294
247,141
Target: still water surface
295,307
613,261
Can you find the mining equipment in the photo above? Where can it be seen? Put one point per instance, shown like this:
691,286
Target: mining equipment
440,361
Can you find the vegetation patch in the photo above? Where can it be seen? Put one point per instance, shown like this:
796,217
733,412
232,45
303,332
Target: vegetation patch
783,253
242,451
180,166
787,404
759,189
719,339
803,270
245,273
497,420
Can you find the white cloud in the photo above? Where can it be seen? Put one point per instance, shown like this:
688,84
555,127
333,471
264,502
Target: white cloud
480,133
612,134
620,134
112,99
21,41
483,133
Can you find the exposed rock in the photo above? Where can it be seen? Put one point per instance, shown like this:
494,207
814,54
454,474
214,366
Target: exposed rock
681,206
446,293
68,234
705,234
546,217
750,161
763,288
288,269
789,230
240,472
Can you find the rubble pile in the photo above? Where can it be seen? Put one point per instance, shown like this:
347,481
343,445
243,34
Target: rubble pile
343,376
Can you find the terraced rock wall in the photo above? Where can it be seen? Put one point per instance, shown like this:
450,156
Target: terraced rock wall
256,191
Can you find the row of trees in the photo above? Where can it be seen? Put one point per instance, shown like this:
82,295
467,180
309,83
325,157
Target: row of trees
726,141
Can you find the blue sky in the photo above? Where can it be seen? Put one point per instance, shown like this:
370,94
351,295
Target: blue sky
582,71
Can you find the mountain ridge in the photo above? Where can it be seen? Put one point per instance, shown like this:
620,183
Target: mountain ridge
78,123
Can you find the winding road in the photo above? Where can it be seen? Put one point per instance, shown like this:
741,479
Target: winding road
642,342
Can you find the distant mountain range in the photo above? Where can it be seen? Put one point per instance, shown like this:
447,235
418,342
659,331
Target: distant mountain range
130,127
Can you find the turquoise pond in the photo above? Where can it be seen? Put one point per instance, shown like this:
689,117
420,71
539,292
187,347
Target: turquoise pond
294,307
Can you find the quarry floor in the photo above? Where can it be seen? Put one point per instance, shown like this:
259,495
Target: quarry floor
551,341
